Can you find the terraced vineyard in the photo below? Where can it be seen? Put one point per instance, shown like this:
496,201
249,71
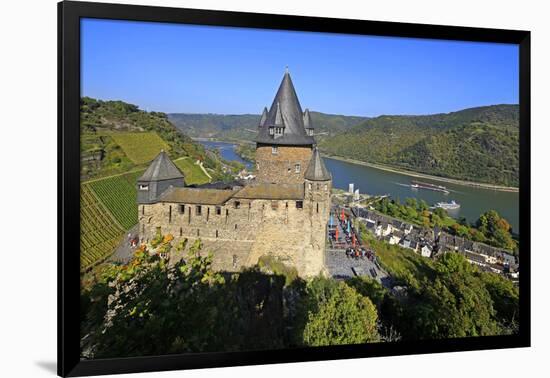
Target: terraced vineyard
109,210
118,195
194,175
99,233
140,147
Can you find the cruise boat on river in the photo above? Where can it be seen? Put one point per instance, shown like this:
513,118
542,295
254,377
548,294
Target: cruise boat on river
424,185
448,205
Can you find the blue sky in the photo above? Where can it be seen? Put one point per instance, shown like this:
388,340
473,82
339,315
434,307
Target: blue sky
203,69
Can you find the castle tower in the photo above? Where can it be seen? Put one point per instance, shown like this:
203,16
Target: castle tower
318,185
283,145
161,174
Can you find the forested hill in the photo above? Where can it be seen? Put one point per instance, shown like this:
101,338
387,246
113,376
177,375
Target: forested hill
117,137
477,144
227,127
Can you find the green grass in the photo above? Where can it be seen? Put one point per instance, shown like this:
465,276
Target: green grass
140,147
99,233
118,194
194,175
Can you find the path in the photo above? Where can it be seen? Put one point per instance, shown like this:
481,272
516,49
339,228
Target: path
341,267
124,251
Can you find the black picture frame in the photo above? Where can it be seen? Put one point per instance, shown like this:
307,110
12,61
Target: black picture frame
69,15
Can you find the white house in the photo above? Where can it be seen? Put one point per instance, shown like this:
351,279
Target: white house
426,250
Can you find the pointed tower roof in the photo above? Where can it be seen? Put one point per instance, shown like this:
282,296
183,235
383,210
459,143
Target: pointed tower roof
161,168
308,124
285,112
316,171
263,118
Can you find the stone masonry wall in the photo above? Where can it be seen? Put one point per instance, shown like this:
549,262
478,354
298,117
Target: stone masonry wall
243,232
280,167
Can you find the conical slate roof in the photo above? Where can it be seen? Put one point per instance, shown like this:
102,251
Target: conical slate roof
263,118
285,112
316,171
308,124
161,168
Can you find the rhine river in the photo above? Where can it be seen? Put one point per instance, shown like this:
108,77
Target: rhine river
473,201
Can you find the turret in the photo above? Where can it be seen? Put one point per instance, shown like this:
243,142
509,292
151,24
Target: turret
283,144
161,174
308,124
284,123
263,118
318,180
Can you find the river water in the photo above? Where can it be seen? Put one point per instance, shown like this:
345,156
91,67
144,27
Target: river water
473,201
227,151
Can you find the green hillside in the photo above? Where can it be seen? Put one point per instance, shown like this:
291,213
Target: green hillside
117,142
477,144
228,127
117,137
140,147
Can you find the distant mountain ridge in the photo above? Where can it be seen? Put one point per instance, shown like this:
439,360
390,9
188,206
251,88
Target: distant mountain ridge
227,127
476,144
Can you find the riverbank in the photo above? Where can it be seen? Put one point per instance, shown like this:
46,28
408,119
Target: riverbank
480,185
402,171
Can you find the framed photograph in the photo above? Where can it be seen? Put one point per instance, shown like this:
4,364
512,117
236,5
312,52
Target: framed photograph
239,188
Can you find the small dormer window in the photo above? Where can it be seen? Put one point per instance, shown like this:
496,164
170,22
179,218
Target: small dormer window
143,187
278,131
274,150
310,132
271,131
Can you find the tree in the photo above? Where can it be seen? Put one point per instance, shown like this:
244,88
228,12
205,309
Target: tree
458,301
333,313
496,229
441,213
411,202
505,297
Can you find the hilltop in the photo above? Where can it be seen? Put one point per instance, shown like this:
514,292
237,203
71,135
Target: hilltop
476,144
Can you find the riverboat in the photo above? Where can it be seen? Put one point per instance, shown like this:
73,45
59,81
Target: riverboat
448,205
424,185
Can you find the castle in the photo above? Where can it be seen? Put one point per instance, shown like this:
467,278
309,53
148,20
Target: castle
283,213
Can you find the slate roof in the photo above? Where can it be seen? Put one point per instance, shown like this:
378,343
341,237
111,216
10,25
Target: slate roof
308,123
285,112
475,257
263,118
196,196
161,168
316,171
272,191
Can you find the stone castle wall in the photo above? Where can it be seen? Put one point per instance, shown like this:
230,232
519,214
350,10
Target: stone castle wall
241,233
281,166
